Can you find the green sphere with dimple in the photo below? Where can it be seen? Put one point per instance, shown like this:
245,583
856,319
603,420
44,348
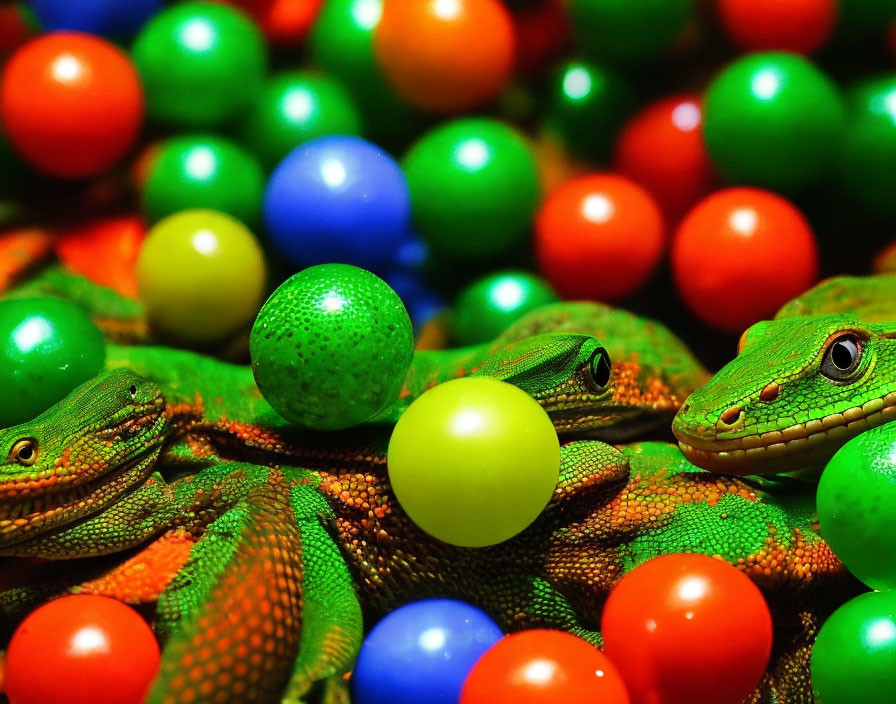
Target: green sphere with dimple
293,108
201,64
331,347
204,171
487,306
773,119
48,346
856,504
474,187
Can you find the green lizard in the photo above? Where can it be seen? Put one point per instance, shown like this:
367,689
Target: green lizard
801,385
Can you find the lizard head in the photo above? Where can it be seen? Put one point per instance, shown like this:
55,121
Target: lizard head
797,391
79,456
568,374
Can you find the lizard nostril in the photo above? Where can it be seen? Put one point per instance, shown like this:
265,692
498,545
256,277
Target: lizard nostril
686,408
731,416
769,392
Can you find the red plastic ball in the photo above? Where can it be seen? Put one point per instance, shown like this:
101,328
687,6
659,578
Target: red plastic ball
687,629
662,149
81,650
740,254
598,223
287,22
71,103
800,26
543,667
445,56
542,32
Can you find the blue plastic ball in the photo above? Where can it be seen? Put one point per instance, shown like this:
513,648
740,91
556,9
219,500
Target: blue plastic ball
421,302
422,652
108,18
338,199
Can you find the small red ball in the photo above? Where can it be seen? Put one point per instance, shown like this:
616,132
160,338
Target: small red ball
71,103
740,254
800,26
81,650
598,236
687,629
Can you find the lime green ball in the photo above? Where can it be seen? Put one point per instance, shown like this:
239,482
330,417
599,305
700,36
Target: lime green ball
474,461
201,276
48,347
857,505
474,187
331,347
204,172
488,306
293,108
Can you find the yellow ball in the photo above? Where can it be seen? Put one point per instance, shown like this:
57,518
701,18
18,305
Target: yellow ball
201,275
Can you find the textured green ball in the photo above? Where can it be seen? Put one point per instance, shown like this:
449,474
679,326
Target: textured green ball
773,119
331,347
48,347
487,306
857,506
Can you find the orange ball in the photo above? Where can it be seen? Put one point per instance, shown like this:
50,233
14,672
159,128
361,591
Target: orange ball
800,26
71,103
598,236
445,56
740,254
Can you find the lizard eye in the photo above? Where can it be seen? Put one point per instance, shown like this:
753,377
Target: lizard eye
599,367
132,390
24,452
842,357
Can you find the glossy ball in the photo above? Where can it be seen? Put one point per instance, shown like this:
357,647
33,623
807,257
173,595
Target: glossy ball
661,148
767,25
331,347
109,18
773,119
293,108
81,650
857,504
625,31
203,171
421,652
48,347
485,443
854,656
868,160
286,23
339,199
201,275
445,57
474,187
721,252
598,236
201,63
71,104
685,628
486,307
543,666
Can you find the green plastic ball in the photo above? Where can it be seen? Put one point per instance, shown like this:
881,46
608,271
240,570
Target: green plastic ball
293,108
485,444
857,505
486,307
331,347
588,104
868,161
474,187
854,656
628,31
49,347
201,63
203,172
773,119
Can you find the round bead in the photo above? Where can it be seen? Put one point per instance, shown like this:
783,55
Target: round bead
800,26
331,347
108,18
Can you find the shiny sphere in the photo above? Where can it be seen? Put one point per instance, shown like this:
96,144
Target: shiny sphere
201,275
774,120
48,347
331,347
201,63
474,187
800,26
71,104
108,18
483,442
